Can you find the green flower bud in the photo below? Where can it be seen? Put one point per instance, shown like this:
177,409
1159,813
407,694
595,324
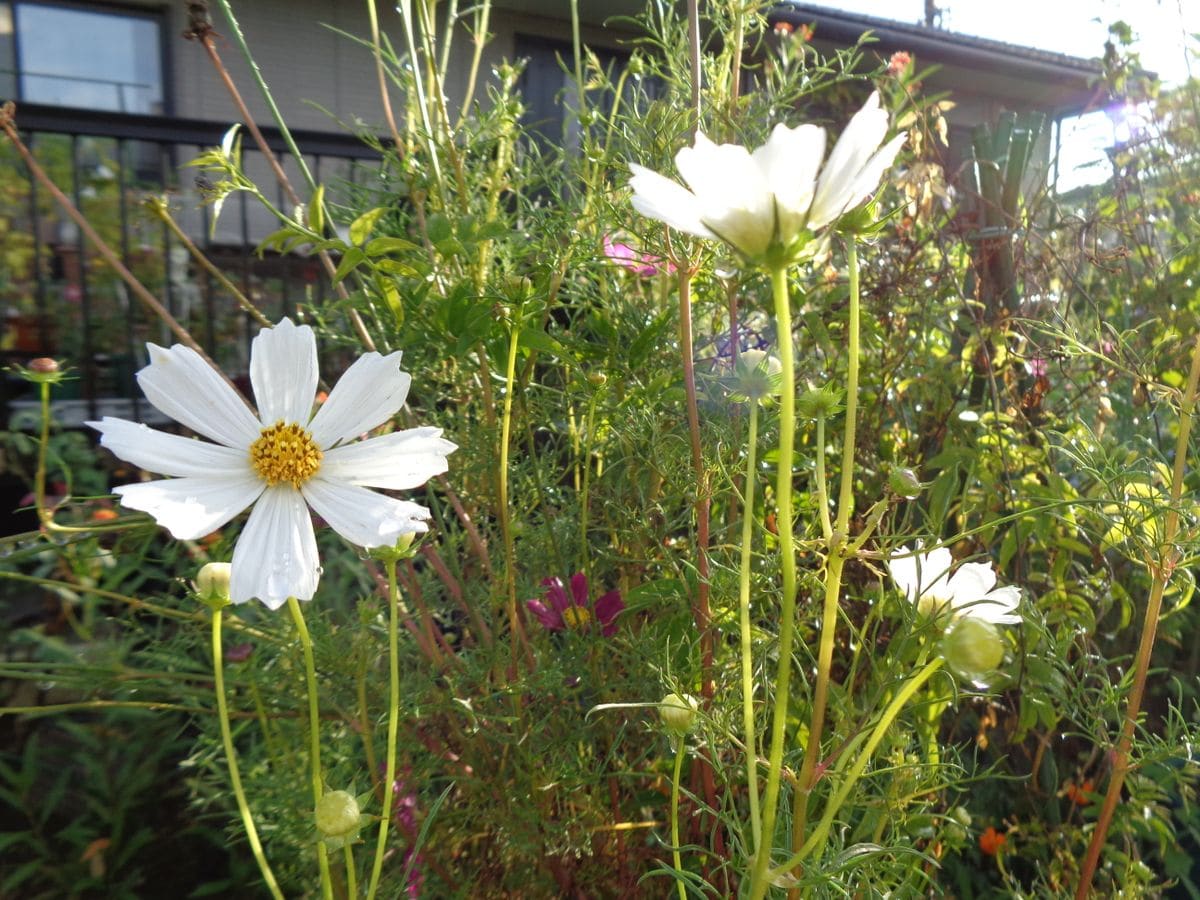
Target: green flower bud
757,376
973,648
678,713
904,482
338,815
819,403
212,583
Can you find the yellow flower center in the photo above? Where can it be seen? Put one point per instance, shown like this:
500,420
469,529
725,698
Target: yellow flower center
576,617
285,453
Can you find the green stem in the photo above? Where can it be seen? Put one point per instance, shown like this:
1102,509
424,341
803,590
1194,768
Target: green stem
676,858
314,731
822,480
1161,571
751,736
787,613
389,777
836,562
585,490
351,874
235,778
821,834
510,555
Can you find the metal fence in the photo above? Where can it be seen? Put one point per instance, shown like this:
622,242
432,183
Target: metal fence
59,299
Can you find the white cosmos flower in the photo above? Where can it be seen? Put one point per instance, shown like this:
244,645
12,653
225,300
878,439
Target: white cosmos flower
283,460
970,592
766,199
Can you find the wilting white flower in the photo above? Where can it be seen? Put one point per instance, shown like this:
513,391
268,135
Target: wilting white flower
971,591
283,460
767,199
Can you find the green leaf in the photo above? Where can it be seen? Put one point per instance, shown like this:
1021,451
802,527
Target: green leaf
361,228
349,263
381,245
395,267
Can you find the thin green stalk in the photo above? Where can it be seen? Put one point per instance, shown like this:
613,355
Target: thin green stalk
836,561
1161,571
276,116
787,611
404,7
676,858
389,777
751,736
384,98
351,872
314,731
510,554
584,504
235,778
822,480
577,50
821,834
479,38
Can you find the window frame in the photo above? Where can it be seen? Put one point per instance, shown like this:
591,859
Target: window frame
154,15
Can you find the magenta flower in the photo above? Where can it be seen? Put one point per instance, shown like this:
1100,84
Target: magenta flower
575,611
643,264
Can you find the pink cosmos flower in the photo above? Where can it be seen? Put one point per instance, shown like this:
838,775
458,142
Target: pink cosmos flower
641,264
575,611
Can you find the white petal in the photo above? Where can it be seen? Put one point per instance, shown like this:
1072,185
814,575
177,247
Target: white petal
972,581
868,177
858,142
183,386
283,372
370,392
361,516
790,161
396,461
903,569
190,508
661,198
169,454
735,200
1000,606
276,553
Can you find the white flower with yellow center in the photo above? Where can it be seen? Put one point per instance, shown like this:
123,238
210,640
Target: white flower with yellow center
970,592
282,461
762,203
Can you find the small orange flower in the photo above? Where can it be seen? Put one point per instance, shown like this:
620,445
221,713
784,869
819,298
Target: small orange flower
1077,793
991,841
783,29
104,514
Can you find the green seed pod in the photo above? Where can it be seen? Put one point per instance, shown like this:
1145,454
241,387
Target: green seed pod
678,713
973,649
338,815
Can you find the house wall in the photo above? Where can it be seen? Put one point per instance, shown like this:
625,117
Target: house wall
308,65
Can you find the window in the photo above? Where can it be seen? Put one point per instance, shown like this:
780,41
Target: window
94,58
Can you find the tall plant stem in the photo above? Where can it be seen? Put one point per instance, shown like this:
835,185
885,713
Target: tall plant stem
314,733
1161,570
203,32
389,776
700,608
821,834
235,777
749,731
835,564
676,857
787,608
510,553
384,97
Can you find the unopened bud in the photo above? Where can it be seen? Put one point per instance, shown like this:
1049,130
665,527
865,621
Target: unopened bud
43,365
905,483
212,582
337,815
678,713
973,648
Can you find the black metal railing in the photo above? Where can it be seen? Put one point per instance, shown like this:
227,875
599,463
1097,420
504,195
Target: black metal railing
59,299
